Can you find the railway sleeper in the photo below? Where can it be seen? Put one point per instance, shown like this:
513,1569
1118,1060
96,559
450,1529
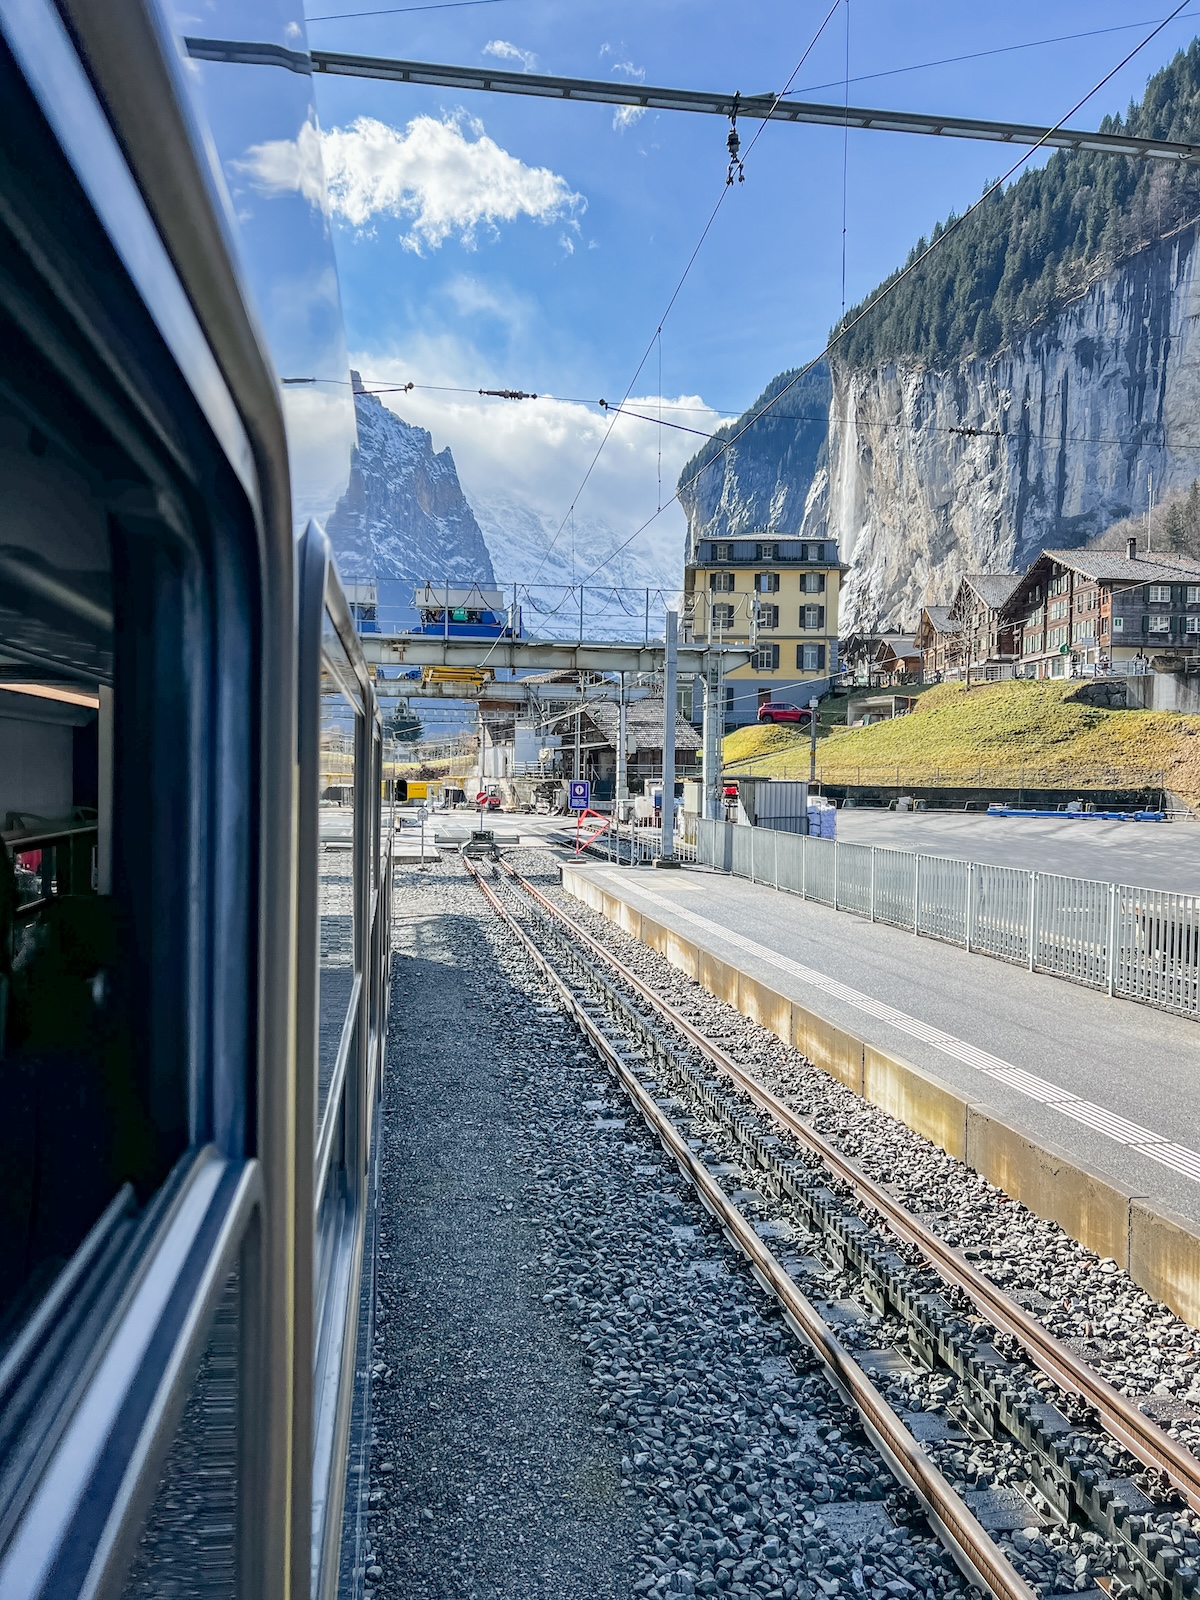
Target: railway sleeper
996,1394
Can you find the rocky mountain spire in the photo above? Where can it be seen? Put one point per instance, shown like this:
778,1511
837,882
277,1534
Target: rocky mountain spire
404,514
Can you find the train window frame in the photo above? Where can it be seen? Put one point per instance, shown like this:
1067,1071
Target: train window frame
337,668
337,1265
101,1366
108,100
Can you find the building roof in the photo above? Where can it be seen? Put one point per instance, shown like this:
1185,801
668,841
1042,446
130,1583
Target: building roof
940,619
993,588
562,675
1111,566
643,725
869,641
900,648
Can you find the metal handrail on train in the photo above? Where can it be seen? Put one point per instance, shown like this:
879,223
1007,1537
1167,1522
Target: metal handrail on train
79,835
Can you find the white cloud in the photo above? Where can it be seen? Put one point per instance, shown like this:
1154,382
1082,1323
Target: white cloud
521,462
442,175
503,51
283,166
471,297
626,116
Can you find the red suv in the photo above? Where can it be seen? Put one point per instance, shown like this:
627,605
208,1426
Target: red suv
780,711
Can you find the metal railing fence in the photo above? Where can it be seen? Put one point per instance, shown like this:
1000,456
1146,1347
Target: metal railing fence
636,846
1143,944
1069,777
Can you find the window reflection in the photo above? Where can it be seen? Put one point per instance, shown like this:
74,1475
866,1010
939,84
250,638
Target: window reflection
188,1548
74,1127
336,854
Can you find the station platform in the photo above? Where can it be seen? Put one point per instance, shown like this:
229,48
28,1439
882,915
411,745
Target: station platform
1085,1107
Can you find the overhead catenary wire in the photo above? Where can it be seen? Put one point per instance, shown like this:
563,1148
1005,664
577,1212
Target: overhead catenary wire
845,155
396,11
998,50
675,293
906,272
373,387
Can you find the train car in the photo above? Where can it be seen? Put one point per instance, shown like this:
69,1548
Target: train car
194,948
465,613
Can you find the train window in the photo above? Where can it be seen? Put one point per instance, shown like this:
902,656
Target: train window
76,1122
340,736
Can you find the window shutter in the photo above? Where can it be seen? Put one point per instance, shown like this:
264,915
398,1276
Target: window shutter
712,580
1145,624
820,583
799,658
821,622
1146,595
820,657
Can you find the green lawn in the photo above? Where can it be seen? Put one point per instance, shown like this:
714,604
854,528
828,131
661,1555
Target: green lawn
956,735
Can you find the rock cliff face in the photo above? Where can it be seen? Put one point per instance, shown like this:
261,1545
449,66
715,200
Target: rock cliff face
925,474
404,515
933,474
777,476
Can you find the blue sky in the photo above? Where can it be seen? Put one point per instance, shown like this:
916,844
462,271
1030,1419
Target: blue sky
560,289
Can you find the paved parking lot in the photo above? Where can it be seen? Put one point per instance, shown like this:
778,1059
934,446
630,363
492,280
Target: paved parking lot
1150,855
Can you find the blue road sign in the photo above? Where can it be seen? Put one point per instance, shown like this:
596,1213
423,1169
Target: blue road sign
580,794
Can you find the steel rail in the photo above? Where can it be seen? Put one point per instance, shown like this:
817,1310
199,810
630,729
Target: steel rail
754,107
1139,1434
979,1557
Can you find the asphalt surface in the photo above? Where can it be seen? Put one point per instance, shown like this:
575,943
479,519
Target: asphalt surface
1130,1059
1148,855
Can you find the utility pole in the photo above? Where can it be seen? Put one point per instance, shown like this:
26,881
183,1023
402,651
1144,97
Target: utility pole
578,773
667,858
712,731
622,774
812,730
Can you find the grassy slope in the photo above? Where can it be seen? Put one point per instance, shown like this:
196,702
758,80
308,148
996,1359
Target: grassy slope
1000,727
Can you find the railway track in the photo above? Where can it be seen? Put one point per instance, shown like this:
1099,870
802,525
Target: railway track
1088,1457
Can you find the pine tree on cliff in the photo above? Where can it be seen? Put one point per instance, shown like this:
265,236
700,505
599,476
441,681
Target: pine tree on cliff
1041,241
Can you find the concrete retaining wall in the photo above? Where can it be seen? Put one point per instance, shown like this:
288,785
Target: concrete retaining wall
1161,1251
1164,691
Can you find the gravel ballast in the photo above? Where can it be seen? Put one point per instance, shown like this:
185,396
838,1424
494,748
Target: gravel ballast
579,1390
1142,1348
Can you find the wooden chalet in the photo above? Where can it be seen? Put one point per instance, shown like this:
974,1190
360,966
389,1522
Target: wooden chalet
938,638
988,639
